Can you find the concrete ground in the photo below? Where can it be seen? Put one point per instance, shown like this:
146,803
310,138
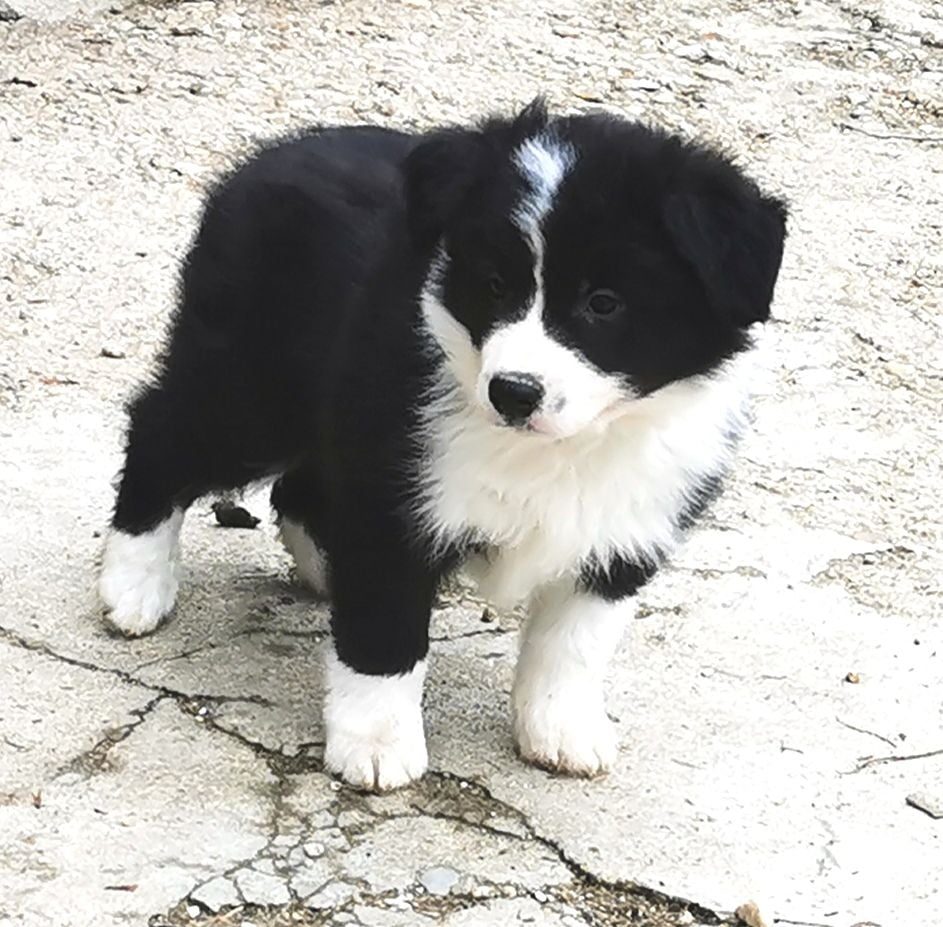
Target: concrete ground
780,695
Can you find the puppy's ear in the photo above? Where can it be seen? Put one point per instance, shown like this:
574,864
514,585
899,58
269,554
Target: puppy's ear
733,236
439,173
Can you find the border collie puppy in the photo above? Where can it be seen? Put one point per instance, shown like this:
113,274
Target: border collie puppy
514,348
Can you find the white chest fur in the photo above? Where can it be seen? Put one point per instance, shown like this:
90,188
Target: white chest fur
545,506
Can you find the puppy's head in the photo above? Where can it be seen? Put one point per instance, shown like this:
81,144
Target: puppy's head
581,263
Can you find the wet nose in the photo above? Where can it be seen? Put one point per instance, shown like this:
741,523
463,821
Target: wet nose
515,395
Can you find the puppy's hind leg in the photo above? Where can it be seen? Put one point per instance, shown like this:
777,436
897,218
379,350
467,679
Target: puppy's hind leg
173,455
296,499
139,573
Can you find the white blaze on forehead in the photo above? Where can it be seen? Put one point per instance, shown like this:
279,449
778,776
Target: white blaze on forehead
543,162
575,392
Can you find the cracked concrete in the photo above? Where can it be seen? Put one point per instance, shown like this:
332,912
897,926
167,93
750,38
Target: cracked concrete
778,697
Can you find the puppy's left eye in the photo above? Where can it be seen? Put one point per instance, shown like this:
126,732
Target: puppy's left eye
603,304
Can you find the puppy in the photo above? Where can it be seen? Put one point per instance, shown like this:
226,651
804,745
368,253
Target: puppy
515,348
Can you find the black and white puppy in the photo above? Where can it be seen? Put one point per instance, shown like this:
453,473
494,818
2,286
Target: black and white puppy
516,348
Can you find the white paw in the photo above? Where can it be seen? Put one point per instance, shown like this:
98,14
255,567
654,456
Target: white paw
310,560
566,732
373,728
139,577
379,763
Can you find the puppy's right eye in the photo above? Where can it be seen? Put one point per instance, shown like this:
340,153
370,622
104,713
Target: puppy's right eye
603,304
496,286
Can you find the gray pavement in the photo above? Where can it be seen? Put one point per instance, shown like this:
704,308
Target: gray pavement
780,695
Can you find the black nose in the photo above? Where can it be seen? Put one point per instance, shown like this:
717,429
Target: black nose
515,395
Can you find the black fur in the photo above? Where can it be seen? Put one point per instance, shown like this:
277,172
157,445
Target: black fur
297,347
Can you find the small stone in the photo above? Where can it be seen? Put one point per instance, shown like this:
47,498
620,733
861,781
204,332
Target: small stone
696,53
438,880
541,897
193,910
928,804
229,515
853,678
643,83
749,915
313,850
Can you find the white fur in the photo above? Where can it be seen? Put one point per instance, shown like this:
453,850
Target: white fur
543,162
310,560
600,472
140,575
557,702
575,393
373,727
546,506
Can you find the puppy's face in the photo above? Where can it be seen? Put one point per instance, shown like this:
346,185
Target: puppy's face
584,263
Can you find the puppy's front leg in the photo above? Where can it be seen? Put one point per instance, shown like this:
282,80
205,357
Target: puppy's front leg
557,702
374,735
373,726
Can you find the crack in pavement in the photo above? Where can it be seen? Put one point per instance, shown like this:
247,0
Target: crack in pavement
193,700
589,889
599,899
442,795
596,898
94,760
580,873
868,761
203,648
